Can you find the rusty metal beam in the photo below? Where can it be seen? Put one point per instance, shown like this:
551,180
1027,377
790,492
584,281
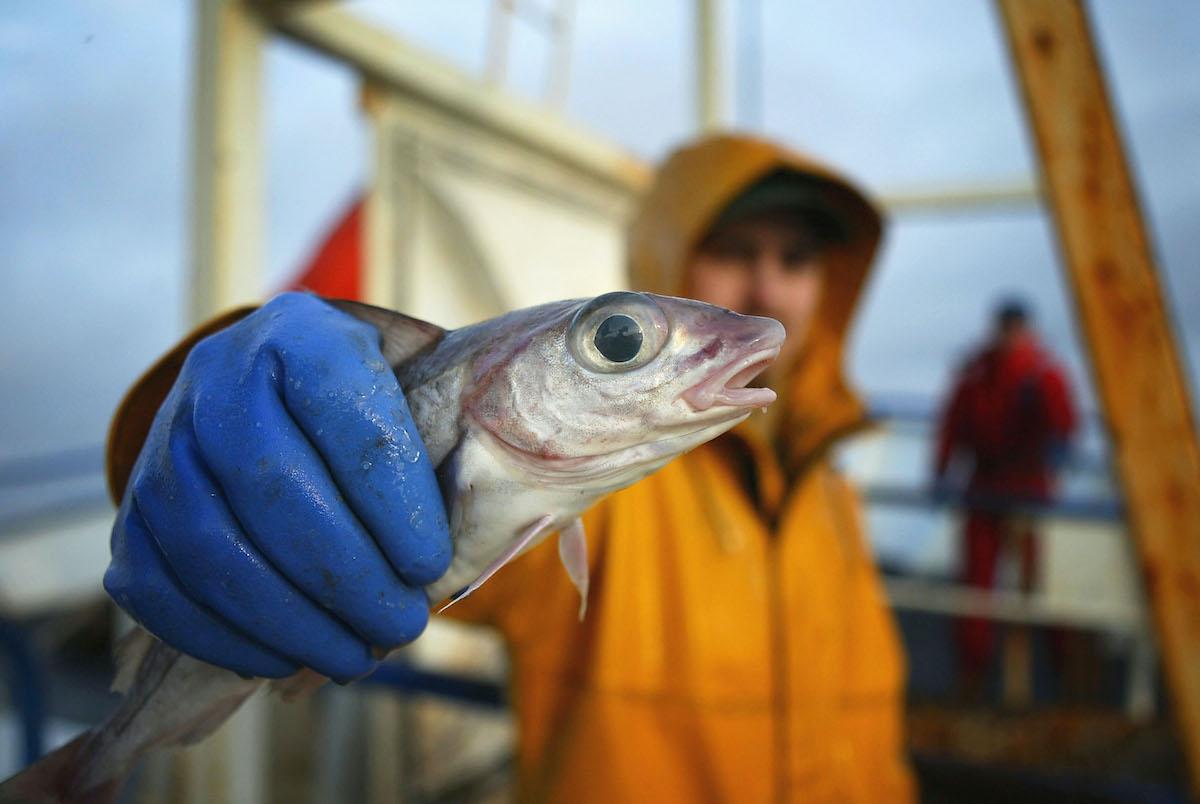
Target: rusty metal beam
1111,269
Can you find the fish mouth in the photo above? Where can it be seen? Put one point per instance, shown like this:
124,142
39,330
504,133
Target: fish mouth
726,386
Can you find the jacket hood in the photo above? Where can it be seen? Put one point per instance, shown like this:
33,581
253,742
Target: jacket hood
690,192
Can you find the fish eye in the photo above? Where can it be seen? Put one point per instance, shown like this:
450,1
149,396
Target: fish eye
617,332
619,338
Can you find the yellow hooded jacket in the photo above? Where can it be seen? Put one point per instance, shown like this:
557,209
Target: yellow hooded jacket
737,647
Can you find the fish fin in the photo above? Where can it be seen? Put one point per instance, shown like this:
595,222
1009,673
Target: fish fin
299,685
572,550
401,336
128,655
212,719
51,780
174,700
531,533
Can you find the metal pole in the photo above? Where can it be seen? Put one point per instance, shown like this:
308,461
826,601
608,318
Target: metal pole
393,210
499,30
710,75
227,214
558,76
750,64
227,198
26,688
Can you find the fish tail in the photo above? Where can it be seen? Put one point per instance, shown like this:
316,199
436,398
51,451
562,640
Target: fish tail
169,700
54,779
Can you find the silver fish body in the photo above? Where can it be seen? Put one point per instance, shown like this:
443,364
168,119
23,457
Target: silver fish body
530,418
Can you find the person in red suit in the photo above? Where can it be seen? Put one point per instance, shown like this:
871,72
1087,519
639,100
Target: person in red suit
1008,422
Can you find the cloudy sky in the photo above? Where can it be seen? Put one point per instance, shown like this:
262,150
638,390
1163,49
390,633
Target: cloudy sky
94,106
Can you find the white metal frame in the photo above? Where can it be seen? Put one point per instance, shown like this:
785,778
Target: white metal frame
227,180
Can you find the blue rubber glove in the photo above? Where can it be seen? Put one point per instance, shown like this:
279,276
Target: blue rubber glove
282,512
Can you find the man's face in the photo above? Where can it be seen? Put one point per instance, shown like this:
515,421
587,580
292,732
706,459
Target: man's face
1011,332
769,264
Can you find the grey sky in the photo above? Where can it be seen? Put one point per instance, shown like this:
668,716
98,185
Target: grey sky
93,165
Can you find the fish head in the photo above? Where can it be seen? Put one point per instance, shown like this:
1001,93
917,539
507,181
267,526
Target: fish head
598,393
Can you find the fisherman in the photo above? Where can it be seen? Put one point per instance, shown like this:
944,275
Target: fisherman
737,645
1007,422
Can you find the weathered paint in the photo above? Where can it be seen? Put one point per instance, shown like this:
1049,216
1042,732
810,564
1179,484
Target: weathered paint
1111,271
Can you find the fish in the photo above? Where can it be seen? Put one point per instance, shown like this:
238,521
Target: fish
529,419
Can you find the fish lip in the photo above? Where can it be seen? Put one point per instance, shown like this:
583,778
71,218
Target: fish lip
713,390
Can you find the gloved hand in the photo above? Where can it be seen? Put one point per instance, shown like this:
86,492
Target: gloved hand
283,512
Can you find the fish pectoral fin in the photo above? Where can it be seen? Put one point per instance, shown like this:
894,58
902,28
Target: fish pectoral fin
572,549
299,685
128,655
532,532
